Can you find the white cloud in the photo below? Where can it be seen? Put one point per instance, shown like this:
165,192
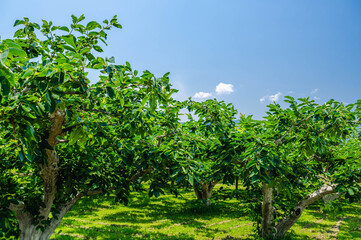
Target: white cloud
317,98
272,98
202,95
314,91
224,88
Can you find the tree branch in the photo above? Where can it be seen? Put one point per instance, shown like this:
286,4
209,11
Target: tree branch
49,170
17,207
279,141
286,223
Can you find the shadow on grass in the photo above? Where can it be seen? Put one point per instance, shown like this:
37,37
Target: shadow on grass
341,220
170,217
123,235
144,217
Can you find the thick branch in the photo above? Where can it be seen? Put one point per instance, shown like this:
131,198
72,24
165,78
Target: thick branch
57,119
285,224
17,207
49,170
55,221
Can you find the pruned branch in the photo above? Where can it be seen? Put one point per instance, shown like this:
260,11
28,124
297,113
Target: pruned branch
17,207
62,140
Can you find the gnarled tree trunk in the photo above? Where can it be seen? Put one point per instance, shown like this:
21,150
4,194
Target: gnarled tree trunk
203,192
31,231
31,228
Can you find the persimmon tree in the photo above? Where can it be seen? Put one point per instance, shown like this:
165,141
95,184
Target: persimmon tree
297,155
61,137
206,147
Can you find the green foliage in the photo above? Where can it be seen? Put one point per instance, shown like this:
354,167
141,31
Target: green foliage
207,144
298,149
101,142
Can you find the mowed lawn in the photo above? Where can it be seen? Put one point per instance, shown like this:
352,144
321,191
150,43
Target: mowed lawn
170,217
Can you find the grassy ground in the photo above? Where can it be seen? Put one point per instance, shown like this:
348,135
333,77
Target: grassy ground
168,217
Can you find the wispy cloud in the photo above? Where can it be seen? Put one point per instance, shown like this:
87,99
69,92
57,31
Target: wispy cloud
224,88
314,91
202,95
316,98
179,84
273,98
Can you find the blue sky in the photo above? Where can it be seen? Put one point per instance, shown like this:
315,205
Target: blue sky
254,51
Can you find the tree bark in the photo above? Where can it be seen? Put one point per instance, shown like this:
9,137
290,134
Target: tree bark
31,231
31,228
237,178
285,224
203,192
267,226
49,170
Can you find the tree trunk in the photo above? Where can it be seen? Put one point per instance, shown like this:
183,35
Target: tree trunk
237,183
26,226
267,227
203,192
28,230
237,195
35,229
285,224
31,231
49,170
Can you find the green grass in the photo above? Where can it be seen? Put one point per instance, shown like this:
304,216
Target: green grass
170,217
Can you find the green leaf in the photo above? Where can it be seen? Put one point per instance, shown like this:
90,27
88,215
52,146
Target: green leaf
75,19
28,73
21,156
190,179
81,18
19,32
75,135
111,60
92,25
98,49
18,22
70,39
117,25
350,191
66,29
30,133
17,52
251,163
5,86
110,92
4,56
